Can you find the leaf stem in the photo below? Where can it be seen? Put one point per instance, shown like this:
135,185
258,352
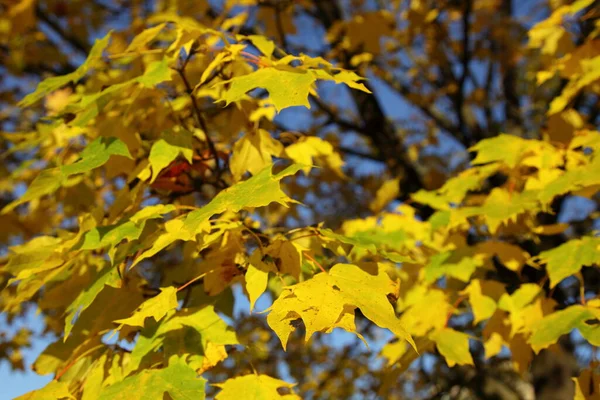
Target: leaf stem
454,307
191,281
315,261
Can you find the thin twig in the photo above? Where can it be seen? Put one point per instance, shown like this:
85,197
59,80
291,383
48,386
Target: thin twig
199,117
258,241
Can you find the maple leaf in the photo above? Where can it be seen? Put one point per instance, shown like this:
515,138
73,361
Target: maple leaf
156,307
260,190
287,87
178,380
53,390
56,82
326,299
96,154
253,152
188,331
550,328
568,258
453,345
107,276
168,148
254,387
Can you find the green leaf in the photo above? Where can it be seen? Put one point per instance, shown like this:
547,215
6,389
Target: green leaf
56,82
103,236
48,181
254,387
90,105
520,298
131,229
502,148
156,72
572,180
259,191
459,264
548,330
168,148
145,37
568,258
96,154
178,380
204,321
373,241
501,207
453,345
287,87
107,276
156,307
32,254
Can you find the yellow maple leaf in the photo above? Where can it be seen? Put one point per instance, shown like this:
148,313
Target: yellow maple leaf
323,301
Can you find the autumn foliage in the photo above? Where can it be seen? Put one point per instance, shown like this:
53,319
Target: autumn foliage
301,199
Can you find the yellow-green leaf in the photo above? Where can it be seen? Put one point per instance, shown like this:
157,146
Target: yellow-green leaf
54,390
324,300
156,307
287,87
254,387
178,380
568,258
107,276
549,329
145,37
168,148
453,345
56,82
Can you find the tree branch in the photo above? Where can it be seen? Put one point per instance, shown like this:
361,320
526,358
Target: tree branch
74,41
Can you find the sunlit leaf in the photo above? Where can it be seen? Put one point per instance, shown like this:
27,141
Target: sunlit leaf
178,380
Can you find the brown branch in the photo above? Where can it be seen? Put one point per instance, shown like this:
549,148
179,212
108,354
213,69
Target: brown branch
465,60
279,24
376,125
201,122
74,41
512,103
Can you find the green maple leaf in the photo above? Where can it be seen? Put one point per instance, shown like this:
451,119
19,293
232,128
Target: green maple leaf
107,276
568,258
502,148
156,307
168,148
202,324
56,82
287,87
178,380
260,190
549,329
96,154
